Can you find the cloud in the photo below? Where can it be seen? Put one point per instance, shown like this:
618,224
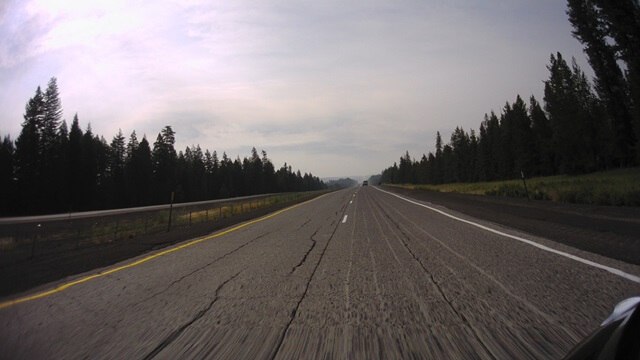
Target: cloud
331,87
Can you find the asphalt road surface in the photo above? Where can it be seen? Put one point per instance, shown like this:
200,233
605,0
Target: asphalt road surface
358,273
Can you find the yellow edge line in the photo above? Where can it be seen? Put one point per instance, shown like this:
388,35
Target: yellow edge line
63,287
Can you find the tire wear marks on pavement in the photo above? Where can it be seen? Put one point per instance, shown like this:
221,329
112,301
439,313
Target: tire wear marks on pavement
612,270
404,239
348,277
306,288
377,213
574,337
550,343
175,334
373,266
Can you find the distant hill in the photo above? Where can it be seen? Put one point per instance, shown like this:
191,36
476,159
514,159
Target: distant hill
341,183
358,178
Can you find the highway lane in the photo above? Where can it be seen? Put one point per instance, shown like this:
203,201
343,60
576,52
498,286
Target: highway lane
354,274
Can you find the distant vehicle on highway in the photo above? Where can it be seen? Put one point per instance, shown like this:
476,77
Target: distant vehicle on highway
365,183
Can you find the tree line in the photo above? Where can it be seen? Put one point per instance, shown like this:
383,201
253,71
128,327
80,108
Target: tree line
580,127
51,168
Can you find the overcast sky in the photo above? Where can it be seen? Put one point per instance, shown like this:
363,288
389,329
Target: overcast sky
331,87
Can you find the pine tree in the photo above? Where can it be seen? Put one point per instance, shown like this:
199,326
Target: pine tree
132,146
52,113
75,164
573,117
51,168
460,160
164,158
484,151
102,159
88,179
212,166
226,179
140,170
438,165
60,188
523,139
116,171
27,156
610,84
405,169
268,173
431,168
622,21
494,138
7,174
474,166
448,169
542,135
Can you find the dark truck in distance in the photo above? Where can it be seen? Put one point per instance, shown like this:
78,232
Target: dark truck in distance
365,183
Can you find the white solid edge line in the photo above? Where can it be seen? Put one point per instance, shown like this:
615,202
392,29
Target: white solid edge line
532,243
344,220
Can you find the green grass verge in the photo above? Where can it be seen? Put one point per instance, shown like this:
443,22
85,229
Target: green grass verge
617,187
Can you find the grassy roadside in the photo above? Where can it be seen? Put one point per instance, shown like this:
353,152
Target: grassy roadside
616,187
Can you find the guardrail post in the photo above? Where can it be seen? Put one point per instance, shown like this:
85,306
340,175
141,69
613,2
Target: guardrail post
206,217
525,185
78,239
146,223
35,239
170,211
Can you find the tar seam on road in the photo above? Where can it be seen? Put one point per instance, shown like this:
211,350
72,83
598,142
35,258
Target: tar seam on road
614,271
65,286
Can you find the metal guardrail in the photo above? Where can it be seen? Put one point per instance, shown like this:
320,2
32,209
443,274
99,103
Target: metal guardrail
23,238
98,213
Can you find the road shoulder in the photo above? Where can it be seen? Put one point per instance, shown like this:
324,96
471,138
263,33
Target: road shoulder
613,232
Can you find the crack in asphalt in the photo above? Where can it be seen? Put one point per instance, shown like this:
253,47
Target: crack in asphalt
199,269
304,258
306,288
305,223
437,285
175,334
